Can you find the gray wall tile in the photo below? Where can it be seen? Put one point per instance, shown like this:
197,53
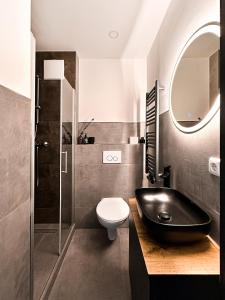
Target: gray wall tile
15,150
188,155
120,180
88,154
15,132
85,217
88,185
95,180
15,254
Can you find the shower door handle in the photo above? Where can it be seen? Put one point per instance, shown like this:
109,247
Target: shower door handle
65,164
37,100
37,165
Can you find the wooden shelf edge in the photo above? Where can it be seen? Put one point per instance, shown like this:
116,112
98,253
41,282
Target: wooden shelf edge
164,259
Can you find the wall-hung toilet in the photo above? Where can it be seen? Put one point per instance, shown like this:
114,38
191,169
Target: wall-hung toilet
111,213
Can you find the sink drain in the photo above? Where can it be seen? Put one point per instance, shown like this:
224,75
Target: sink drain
164,216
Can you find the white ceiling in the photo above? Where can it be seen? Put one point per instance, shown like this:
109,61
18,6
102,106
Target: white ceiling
83,26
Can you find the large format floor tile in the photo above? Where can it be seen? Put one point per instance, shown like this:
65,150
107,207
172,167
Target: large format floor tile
45,258
94,268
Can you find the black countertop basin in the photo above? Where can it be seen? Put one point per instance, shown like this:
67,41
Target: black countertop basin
171,216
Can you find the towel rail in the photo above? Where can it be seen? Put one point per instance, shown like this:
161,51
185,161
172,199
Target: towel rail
152,133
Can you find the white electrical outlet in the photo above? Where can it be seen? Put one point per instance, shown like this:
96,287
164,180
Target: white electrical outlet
214,166
111,157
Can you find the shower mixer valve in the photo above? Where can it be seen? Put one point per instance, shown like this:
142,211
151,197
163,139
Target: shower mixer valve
45,144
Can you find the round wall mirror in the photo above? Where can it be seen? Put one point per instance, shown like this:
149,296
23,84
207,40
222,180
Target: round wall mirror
194,94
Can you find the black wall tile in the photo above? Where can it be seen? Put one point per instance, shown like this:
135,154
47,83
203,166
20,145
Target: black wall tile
69,58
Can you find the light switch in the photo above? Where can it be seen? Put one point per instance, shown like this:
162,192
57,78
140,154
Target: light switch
214,166
111,157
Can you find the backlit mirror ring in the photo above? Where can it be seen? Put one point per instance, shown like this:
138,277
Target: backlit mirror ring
213,28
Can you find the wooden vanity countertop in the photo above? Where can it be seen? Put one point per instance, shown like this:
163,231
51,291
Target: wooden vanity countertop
201,258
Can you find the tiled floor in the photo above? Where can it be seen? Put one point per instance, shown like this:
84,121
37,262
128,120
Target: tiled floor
45,257
94,268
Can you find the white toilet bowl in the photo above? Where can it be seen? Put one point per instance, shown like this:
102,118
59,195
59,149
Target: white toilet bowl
111,213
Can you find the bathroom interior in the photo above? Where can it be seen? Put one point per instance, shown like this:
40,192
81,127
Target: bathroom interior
113,139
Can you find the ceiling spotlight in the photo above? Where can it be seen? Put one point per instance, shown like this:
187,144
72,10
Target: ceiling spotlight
113,34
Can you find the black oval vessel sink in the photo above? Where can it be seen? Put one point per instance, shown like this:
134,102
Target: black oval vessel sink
171,216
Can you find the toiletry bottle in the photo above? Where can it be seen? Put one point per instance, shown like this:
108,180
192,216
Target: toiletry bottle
80,139
85,139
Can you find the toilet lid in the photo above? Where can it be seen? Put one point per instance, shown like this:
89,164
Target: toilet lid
112,209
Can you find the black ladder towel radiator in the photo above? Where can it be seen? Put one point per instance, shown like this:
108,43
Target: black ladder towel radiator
152,133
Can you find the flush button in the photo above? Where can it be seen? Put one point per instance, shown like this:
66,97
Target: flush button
111,157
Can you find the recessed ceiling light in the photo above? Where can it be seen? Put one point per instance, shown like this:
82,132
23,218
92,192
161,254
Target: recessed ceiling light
113,34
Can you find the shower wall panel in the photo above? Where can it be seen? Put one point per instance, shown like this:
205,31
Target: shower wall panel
48,164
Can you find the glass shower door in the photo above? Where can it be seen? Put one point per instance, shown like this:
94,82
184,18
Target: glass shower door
66,162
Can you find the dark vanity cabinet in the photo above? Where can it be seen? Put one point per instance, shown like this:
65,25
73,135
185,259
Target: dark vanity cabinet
169,272
139,278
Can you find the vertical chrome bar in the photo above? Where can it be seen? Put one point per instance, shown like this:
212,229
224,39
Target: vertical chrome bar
65,162
73,157
37,165
60,171
38,91
37,108
32,165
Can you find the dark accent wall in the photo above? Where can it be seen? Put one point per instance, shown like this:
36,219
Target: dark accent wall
69,58
188,155
47,193
95,180
15,132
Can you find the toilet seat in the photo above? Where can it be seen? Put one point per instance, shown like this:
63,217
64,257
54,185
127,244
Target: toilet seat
112,209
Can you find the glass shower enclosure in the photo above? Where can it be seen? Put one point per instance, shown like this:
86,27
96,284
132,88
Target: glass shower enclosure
66,161
54,173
